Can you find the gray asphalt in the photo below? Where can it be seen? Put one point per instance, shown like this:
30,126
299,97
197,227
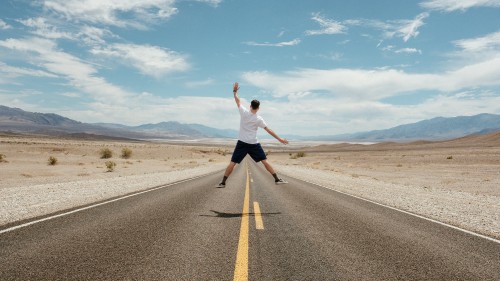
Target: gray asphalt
190,231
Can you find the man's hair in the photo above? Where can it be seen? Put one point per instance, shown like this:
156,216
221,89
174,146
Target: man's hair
255,104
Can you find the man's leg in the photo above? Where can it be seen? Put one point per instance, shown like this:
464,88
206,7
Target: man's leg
268,166
270,169
228,171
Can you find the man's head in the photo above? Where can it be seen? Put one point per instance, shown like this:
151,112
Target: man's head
255,104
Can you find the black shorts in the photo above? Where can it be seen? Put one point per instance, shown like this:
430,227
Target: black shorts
242,149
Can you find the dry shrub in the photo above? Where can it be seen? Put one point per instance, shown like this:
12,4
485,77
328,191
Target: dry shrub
106,153
52,160
110,166
126,153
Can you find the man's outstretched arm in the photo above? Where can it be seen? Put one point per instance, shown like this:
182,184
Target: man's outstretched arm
272,133
235,92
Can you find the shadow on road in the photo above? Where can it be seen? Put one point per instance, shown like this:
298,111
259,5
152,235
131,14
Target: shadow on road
217,214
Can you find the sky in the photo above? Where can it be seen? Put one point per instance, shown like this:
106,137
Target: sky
322,67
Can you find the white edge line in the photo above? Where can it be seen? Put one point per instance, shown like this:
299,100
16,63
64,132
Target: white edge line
97,205
406,212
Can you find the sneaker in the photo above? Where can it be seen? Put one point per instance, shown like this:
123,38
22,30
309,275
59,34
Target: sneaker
280,181
221,185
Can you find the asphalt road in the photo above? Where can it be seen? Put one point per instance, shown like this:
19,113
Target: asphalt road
250,230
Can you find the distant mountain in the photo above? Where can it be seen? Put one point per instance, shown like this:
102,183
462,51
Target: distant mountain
16,120
19,121
439,128
167,128
16,115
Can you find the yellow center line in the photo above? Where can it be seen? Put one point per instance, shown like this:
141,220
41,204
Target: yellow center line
259,224
241,267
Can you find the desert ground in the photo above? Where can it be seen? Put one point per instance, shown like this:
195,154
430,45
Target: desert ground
456,182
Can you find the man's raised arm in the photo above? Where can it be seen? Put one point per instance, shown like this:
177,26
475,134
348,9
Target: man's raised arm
272,133
235,92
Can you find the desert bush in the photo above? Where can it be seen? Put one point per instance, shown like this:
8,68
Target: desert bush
110,165
297,155
2,158
106,153
126,153
52,160
449,157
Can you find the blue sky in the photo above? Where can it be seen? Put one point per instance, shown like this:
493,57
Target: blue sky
318,67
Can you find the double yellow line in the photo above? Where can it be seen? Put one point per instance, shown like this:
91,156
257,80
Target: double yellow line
241,267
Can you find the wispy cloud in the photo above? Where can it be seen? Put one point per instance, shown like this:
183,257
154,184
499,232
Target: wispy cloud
92,35
149,60
375,84
79,74
408,51
43,29
200,83
4,25
409,28
328,26
454,5
13,71
391,48
480,44
111,12
279,44
404,28
214,3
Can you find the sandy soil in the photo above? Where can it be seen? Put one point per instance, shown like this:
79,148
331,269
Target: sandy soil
30,187
454,182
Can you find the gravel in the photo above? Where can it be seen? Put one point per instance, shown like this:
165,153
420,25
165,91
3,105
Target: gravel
475,212
25,202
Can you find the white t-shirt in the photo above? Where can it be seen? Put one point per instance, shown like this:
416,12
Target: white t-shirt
249,123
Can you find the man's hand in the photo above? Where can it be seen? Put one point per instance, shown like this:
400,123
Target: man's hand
272,133
283,141
235,92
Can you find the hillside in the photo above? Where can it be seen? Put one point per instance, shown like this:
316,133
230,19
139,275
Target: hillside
15,120
438,128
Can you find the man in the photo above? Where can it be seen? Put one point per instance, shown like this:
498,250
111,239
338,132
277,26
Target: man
247,139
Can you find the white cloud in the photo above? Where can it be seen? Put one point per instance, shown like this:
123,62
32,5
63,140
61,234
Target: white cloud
95,36
12,71
4,25
149,60
214,3
375,84
80,75
480,44
71,95
147,108
112,12
328,26
408,51
454,5
410,28
404,28
280,44
44,29
200,83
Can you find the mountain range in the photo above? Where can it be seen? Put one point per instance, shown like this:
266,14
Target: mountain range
438,128
15,120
